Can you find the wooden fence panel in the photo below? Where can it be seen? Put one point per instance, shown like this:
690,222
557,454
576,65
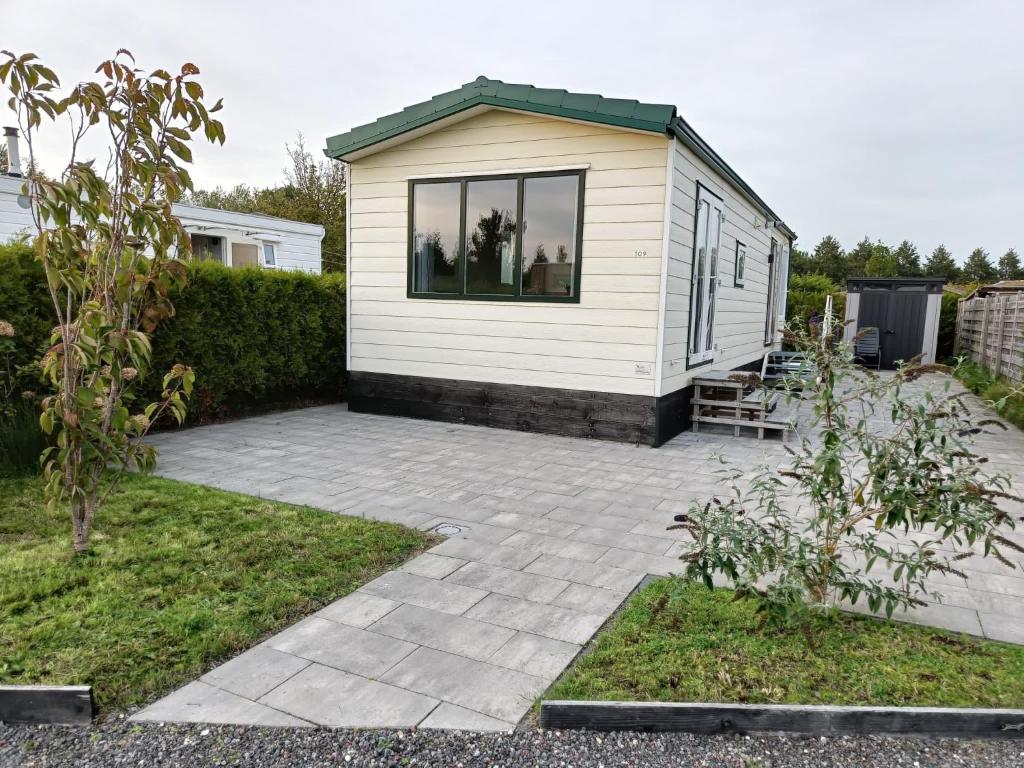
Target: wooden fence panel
990,331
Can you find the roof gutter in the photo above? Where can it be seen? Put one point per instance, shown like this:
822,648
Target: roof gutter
682,130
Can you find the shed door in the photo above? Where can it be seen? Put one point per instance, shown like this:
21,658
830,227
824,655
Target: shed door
905,332
899,316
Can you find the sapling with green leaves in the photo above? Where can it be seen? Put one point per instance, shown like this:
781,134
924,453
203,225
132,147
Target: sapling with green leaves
109,244
883,491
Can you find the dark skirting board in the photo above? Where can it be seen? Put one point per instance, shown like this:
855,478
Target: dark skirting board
572,413
782,718
57,704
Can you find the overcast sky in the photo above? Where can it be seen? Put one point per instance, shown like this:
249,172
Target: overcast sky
889,119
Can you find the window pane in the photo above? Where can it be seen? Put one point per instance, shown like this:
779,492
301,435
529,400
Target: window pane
491,236
206,248
549,235
436,238
269,257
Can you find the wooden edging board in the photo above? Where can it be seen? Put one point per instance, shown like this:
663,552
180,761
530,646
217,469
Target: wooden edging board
782,718
55,704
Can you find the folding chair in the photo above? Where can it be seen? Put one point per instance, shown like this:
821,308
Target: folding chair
867,348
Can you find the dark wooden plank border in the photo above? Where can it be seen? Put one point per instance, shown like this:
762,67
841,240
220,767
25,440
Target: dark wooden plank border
782,718
55,704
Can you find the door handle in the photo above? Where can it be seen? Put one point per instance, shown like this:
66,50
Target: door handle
893,332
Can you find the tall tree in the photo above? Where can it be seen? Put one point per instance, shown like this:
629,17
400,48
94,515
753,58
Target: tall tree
1010,267
908,260
857,259
941,264
883,262
313,192
979,268
800,262
829,259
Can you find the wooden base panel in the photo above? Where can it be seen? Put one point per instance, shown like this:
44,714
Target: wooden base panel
572,413
782,718
55,704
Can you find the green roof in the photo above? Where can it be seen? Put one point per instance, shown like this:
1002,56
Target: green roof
590,107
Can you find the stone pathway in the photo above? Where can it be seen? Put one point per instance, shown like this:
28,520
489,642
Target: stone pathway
547,536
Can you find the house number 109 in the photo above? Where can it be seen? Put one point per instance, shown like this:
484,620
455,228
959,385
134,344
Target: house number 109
640,254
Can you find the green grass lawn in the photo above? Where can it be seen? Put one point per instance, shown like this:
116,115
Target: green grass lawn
682,642
180,577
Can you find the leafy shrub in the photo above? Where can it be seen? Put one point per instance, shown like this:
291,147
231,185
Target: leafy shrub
24,301
947,326
807,294
997,390
21,439
859,488
255,339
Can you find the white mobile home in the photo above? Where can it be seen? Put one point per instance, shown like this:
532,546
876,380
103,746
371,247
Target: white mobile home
234,239
524,258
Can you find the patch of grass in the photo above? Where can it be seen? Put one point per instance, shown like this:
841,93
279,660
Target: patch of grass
994,388
179,577
679,641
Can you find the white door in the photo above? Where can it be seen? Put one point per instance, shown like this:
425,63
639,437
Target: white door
704,286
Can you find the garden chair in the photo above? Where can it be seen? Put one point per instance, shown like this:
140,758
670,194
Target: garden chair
867,348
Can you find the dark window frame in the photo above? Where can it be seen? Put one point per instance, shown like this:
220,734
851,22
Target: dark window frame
737,278
518,296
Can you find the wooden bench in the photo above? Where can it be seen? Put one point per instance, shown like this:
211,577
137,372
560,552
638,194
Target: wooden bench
733,398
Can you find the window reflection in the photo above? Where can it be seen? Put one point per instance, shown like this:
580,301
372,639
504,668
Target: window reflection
549,235
436,238
491,236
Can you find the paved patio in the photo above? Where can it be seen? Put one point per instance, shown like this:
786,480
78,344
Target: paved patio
548,535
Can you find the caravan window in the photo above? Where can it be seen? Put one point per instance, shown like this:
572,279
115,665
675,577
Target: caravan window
504,237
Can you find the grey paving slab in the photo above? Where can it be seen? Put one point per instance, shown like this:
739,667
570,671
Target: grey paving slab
358,609
491,690
341,646
482,552
449,717
552,545
552,621
492,578
536,655
651,545
255,672
200,702
581,597
330,697
432,565
427,593
594,575
444,632
470,529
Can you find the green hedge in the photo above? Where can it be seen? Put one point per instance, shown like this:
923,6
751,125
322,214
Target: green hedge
257,339
24,301
807,294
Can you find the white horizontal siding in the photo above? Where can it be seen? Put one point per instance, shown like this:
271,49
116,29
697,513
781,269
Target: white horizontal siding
739,311
14,220
594,345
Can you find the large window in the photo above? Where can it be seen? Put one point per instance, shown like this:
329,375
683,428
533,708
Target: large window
504,237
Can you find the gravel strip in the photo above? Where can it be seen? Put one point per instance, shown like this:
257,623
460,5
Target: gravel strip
193,746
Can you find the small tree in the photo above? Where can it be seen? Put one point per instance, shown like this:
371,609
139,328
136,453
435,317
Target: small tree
828,527
1010,266
979,268
107,243
941,264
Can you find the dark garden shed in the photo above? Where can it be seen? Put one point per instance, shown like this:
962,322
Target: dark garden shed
905,311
